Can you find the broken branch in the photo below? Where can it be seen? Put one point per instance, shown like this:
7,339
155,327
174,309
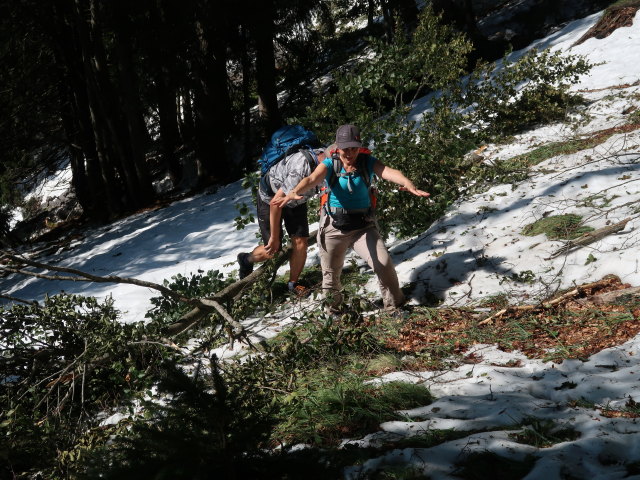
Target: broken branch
541,306
589,237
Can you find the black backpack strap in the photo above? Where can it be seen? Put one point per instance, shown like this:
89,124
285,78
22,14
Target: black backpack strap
312,160
363,160
363,164
362,167
331,178
337,166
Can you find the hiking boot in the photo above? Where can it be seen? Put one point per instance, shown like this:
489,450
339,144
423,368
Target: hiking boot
245,266
298,290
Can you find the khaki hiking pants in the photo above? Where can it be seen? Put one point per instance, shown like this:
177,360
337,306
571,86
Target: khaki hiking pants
367,243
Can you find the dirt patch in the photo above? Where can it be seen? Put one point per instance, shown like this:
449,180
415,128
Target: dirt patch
607,132
613,18
574,325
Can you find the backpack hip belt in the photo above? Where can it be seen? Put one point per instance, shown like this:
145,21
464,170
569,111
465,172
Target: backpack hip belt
348,211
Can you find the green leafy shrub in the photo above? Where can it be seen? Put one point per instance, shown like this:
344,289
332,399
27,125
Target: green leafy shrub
168,310
225,418
245,213
62,363
520,94
209,427
378,93
245,216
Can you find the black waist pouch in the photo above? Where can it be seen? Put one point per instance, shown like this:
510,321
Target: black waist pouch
346,222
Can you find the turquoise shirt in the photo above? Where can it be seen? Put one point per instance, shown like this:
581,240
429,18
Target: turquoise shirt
340,196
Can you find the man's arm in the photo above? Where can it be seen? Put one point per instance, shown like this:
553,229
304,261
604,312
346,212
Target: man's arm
275,215
305,184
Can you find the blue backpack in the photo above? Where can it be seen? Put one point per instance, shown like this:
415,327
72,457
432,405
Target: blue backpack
285,141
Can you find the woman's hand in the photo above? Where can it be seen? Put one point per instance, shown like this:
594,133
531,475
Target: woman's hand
397,177
411,188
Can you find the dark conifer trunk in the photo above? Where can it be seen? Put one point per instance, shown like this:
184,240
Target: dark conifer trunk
163,60
246,99
263,33
135,134
371,10
86,179
100,103
212,106
186,120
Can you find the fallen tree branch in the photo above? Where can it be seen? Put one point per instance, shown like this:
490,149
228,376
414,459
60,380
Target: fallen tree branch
81,276
207,305
202,306
541,306
20,300
230,292
608,297
589,237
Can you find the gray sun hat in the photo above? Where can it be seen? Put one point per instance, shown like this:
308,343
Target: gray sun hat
348,136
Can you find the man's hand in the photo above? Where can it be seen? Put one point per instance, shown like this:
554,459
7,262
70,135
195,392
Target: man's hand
280,202
273,246
277,199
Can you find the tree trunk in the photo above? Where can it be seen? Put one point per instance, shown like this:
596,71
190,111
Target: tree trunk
388,21
263,35
186,121
246,100
129,98
203,145
87,182
119,145
326,23
169,130
93,204
211,105
166,91
98,116
223,121
371,10
408,12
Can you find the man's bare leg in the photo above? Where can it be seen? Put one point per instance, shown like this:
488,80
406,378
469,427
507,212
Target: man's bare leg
298,257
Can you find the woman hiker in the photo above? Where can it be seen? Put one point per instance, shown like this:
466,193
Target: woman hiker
347,218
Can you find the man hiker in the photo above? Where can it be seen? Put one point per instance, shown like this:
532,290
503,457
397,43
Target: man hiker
274,185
